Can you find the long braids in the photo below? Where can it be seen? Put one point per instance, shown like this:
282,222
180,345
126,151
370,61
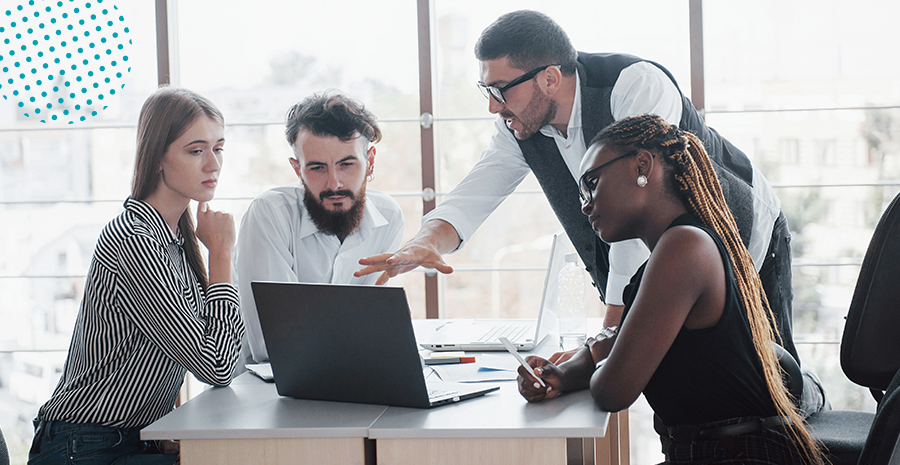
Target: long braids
694,181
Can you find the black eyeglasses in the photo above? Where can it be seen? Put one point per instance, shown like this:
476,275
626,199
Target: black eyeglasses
588,183
497,92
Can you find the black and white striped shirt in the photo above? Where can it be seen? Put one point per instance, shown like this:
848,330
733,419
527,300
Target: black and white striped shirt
144,319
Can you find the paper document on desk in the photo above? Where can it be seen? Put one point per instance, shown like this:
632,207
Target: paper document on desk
488,367
263,370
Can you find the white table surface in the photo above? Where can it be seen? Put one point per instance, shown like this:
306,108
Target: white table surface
250,409
501,414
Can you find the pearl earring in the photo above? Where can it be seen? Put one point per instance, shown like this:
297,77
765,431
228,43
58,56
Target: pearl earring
642,181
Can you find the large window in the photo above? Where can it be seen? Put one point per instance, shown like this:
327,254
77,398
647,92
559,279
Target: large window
59,185
810,93
516,237
266,62
810,98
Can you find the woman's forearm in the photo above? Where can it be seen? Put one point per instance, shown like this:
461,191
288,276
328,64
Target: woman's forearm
220,267
577,371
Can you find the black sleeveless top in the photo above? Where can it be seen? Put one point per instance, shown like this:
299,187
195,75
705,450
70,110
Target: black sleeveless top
708,374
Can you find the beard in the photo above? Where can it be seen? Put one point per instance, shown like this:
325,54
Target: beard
340,223
539,112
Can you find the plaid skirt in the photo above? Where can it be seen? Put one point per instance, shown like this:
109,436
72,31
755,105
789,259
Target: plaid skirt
767,446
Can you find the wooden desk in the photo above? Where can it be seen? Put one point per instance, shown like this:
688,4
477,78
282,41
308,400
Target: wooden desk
249,422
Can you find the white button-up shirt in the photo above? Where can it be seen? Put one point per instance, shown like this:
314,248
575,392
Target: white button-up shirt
640,89
278,241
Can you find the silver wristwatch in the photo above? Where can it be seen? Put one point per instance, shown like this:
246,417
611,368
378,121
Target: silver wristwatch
604,333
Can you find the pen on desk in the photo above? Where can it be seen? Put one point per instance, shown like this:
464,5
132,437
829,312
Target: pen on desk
449,360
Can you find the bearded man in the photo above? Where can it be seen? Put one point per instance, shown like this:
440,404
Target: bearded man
317,229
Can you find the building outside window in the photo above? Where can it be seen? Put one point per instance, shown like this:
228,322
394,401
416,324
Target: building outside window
809,96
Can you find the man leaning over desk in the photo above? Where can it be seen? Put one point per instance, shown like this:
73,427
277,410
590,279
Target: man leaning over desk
551,101
317,229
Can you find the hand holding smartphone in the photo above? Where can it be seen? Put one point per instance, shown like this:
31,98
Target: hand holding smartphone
512,349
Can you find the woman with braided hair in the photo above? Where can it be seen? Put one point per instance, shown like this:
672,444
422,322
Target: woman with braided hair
695,338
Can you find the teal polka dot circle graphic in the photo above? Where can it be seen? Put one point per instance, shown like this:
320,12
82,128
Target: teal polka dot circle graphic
62,60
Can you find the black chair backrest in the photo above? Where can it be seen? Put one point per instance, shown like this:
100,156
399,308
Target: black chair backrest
870,346
4,453
885,429
791,374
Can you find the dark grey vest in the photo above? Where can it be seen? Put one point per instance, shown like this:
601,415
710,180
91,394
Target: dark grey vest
599,73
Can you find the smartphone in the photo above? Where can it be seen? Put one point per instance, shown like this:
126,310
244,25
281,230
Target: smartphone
512,349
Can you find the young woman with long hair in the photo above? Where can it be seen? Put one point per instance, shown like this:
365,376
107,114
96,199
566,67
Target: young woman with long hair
150,310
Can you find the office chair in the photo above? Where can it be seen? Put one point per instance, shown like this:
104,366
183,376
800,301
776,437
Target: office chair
791,374
870,345
883,437
4,453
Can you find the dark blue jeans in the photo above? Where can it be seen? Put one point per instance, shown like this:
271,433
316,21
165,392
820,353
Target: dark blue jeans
58,442
775,275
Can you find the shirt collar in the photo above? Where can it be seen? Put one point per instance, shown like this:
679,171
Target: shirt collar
574,117
154,220
372,218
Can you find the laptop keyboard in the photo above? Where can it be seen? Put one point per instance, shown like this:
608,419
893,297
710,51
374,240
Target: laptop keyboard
511,332
438,393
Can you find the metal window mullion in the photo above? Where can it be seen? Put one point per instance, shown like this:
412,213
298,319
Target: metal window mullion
167,42
698,89
426,131
162,42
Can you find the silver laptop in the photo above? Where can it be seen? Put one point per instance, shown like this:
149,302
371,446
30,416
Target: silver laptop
484,335
348,343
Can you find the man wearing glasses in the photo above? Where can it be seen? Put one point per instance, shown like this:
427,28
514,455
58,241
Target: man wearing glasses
551,101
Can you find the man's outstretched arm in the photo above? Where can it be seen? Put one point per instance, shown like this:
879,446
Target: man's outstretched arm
436,238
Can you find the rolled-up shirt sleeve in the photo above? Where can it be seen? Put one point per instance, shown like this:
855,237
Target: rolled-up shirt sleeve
625,257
